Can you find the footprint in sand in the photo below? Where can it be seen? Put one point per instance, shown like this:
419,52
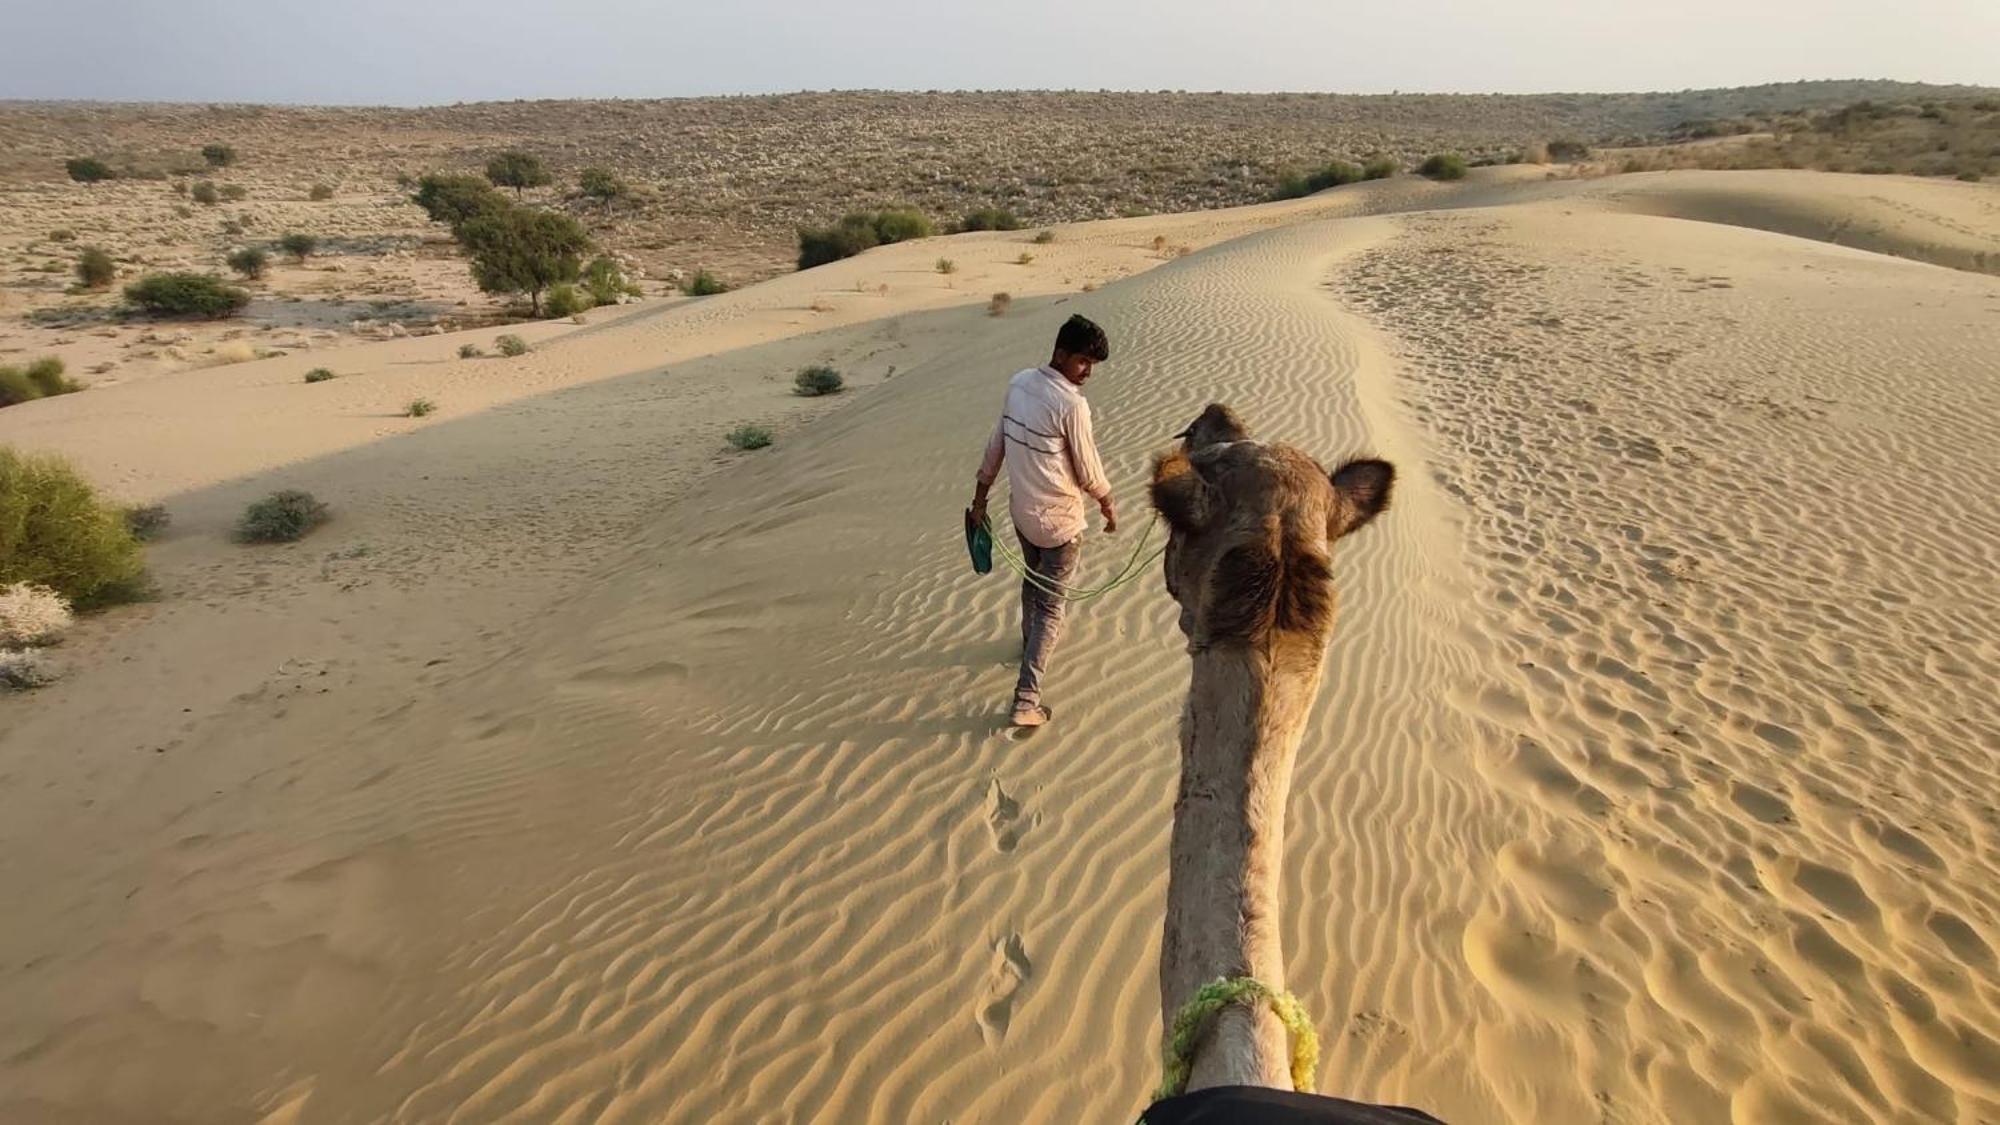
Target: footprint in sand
1004,819
1009,974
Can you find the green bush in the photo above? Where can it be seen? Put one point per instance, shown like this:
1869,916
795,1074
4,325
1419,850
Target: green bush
1043,238
319,375
601,184
250,261
989,218
516,170
186,294
320,193
566,300
820,245
817,380
510,345
703,284
204,192
456,200
1335,174
56,532
95,269
88,170
43,378
749,437
523,250
16,388
299,246
147,522
469,351
946,265
900,224
1380,168
1443,166
218,155
418,407
604,281
282,517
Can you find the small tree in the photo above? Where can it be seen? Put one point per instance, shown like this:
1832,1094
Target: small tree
218,155
601,184
94,268
89,170
516,170
186,294
520,250
204,192
250,261
299,246
456,200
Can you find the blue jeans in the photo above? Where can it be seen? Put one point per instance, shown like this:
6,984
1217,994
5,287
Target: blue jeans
1042,612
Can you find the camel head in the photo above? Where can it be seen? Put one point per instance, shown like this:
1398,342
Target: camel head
1251,525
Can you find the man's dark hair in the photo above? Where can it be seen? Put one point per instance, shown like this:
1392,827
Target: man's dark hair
1081,336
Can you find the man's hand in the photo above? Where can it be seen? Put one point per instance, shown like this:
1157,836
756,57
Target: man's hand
979,504
1110,512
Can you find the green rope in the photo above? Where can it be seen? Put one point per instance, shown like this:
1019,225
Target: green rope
1131,571
1178,1055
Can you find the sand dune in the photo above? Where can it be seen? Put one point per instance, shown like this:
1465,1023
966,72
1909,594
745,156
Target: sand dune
625,780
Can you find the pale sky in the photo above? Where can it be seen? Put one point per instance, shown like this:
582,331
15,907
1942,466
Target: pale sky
409,52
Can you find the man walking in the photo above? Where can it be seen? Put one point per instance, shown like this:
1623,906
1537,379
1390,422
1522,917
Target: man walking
1044,439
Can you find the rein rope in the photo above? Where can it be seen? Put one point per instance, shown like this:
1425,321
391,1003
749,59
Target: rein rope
1134,566
1177,1057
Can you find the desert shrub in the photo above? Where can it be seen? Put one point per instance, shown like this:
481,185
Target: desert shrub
456,200
284,516
218,155
989,218
469,351
31,615
516,170
946,265
418,407
900,224
1026,259
42,378
1443,166
566,300
250,261
703,284
234,192
16,388
820,245
56,532
510,345
749,437
1568,150
299,246
320,193
999,305
88,170
319,375
817,380
1380,168
604,280
1331,175
204,192
94,268
147,522
62,234
601,184
521,250
1970,177
26,669
186,294
1043,238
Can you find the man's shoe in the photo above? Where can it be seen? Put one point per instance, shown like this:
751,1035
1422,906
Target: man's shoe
1029,715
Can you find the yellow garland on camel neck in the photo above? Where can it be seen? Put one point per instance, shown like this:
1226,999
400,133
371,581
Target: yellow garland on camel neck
1178,1055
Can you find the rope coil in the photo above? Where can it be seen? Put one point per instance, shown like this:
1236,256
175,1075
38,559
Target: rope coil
1177,1057
1133,568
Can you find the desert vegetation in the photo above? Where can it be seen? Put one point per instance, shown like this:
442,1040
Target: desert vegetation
95,269
817,380
517,170
510,345
747,437
284,516
41,378
186,294
56,533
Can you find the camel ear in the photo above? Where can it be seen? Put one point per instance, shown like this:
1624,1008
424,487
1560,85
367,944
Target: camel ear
1179,494
1361,492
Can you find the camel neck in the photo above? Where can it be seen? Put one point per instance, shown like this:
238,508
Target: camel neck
1245,714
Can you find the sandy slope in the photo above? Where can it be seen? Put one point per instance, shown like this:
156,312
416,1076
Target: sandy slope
623,780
